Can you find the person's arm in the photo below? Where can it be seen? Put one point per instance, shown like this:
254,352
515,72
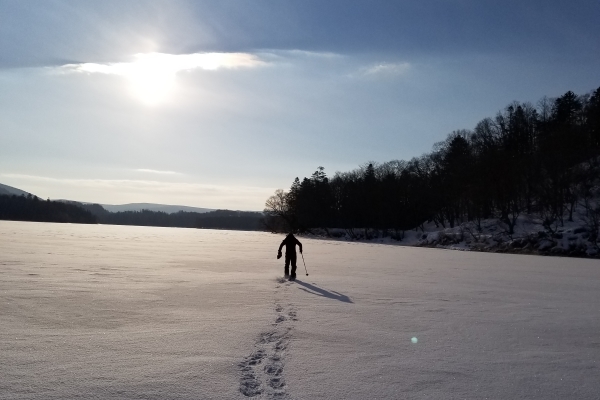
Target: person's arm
299,245
281,245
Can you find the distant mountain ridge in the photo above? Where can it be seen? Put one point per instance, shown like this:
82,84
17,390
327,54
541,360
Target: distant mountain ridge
140,215
114,208
18,205
166,208
9,190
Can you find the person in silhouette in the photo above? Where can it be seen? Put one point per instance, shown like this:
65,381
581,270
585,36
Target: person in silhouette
290,243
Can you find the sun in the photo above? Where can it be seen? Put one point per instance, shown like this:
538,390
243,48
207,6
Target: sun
152,78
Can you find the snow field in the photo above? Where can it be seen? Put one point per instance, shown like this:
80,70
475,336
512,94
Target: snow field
113,312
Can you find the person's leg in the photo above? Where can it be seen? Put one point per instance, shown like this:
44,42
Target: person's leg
293,260
287,265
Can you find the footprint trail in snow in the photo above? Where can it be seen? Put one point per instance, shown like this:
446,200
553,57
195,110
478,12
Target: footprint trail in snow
262,372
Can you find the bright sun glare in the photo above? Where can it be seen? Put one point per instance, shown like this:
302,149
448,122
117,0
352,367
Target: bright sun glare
153,75
152,78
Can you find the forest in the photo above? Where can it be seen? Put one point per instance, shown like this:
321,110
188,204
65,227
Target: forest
32,208
540,159
218,219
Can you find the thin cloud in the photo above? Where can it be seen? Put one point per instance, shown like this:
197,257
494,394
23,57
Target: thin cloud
382,69
296,53
296,57
153,75
149,191
167,63
155,171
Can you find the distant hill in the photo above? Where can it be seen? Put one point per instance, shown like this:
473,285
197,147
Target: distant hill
166,208
31,208
95,209
216,219
100,209
9,190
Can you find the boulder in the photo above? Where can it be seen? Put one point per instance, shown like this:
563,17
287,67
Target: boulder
517,243
557,250
545,245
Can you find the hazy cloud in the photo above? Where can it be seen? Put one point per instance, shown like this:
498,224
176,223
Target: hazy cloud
387,69
167,63
131,191
154,171
153,75
296,53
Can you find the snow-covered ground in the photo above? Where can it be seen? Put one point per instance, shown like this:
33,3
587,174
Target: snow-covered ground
117,312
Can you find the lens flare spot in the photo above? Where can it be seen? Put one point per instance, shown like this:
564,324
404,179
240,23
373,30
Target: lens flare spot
414,340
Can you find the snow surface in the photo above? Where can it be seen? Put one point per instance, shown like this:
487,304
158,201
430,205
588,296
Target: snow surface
118,312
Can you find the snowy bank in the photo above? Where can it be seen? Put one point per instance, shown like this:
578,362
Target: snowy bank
530,236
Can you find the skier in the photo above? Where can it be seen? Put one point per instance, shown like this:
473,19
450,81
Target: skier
290,243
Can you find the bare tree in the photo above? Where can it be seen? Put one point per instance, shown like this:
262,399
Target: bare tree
277,212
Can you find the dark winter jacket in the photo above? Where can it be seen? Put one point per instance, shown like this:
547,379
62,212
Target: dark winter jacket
290,243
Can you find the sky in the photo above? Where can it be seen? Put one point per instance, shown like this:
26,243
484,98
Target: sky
219,103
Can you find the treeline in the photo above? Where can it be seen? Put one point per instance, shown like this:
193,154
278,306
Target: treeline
31,208
219,219
535,159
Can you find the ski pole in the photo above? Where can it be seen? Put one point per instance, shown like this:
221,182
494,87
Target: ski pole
304,264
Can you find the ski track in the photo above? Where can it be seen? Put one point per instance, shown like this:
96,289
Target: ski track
262,372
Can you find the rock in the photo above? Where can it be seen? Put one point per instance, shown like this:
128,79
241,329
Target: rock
517,243
546,245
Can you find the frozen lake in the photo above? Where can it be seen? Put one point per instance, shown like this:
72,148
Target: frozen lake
114,312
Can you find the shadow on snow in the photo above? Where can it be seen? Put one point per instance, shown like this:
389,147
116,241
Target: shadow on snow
322,292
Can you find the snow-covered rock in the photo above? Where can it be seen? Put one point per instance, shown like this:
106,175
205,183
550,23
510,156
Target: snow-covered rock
530,236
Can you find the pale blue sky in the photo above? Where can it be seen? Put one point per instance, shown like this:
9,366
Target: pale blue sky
291,86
